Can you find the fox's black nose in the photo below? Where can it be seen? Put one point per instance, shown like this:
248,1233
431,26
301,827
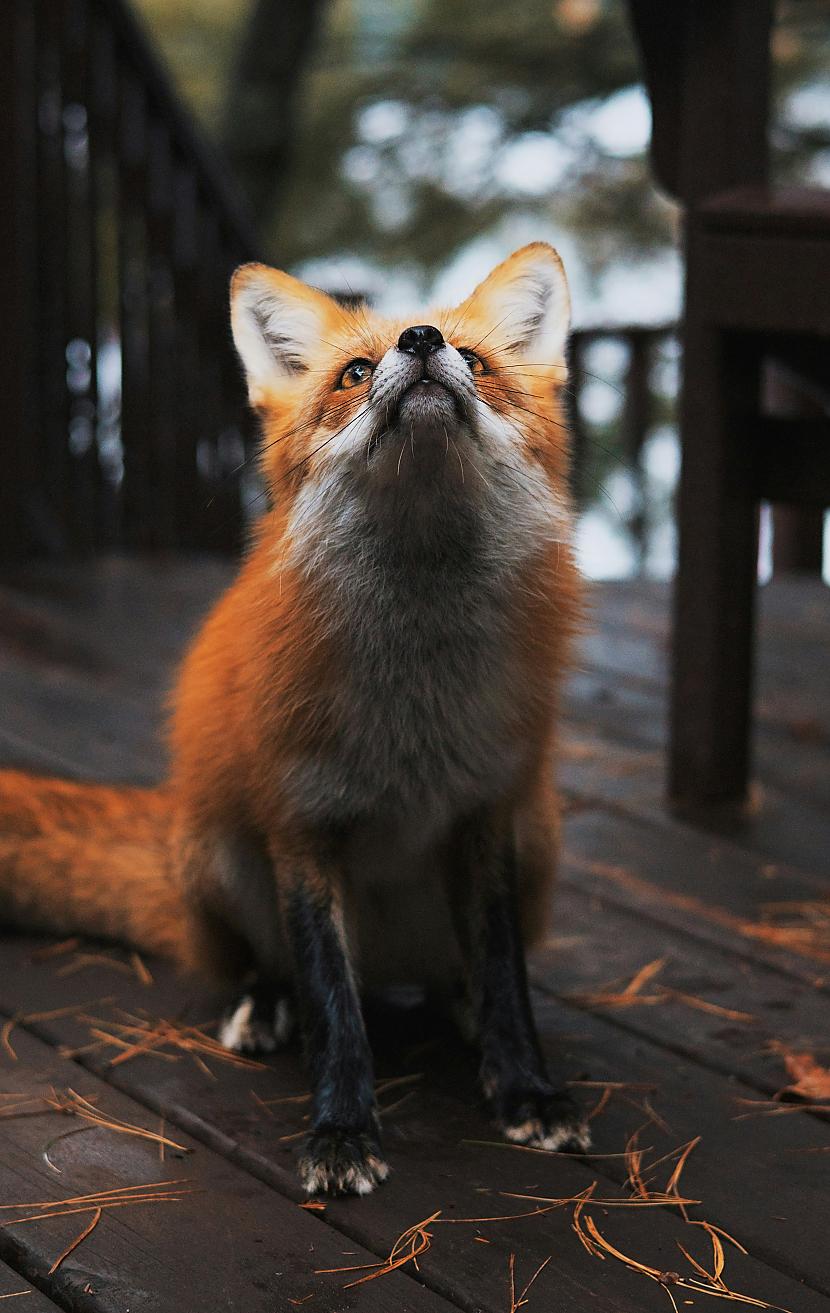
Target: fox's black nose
420,340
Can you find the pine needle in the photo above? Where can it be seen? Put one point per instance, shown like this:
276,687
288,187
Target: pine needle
632,996
672,1183
96,1217
32,1018
516,1304
408,1247
71,1103
141,970
165,1039
55,950
704,1283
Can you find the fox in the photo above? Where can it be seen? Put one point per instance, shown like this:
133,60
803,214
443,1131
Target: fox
363,734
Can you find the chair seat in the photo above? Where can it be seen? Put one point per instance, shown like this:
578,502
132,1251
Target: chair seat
771,211
760,260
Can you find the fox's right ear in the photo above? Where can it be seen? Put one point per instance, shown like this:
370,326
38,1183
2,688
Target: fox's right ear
277,325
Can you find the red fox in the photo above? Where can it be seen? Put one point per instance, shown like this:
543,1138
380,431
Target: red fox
363,732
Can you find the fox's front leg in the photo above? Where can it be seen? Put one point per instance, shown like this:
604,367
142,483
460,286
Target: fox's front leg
342,1154
529,1106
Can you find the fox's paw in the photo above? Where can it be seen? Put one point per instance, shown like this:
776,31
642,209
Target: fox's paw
545,1119
341,1162
257,1024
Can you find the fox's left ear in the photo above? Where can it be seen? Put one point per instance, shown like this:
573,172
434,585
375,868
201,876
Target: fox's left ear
526,299
278,323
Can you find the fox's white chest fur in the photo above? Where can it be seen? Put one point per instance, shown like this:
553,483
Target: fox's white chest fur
421,606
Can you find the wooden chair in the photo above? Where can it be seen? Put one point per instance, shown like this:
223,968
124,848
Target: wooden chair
757,289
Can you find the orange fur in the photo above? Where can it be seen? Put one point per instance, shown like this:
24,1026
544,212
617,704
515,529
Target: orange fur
258,690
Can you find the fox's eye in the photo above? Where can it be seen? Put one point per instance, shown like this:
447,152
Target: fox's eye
356,373
476,365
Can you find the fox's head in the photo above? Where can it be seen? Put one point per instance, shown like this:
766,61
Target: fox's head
432,414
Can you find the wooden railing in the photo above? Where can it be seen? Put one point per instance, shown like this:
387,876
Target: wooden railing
123,411
124,421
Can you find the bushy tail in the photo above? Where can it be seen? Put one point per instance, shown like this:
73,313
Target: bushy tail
89,859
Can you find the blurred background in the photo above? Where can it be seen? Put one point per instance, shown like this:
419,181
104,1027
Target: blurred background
382,150
399,151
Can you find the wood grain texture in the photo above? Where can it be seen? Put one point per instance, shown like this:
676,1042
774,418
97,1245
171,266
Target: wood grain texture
85,659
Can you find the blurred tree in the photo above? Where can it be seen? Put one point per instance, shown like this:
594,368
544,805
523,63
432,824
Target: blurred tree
258,118
414,129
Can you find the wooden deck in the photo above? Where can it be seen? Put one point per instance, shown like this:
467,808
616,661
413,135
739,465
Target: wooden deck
698,1050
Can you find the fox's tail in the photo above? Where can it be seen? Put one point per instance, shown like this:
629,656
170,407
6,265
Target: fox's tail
91,859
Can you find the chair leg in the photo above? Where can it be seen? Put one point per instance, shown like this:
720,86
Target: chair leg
717,569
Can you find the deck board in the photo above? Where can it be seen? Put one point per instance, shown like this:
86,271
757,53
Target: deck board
434,1167
86,658
229,1242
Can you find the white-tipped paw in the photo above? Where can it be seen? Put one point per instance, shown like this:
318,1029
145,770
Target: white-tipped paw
341,1162
549,1121
249,1028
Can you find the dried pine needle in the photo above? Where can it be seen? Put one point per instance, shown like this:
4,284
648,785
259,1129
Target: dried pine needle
633,1166
672,1183
97,1195
32,1018
55,950
83,960
532,1148
408,1247
79,1239
632,995
167,1039
703,1283
516,1304
141,969
71,1103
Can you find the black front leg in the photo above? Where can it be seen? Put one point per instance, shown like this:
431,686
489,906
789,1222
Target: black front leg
530,1108
342,1154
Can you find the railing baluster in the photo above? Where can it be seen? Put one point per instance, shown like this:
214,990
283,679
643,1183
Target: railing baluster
634,424
132,258
161,363
189,505
52,263
103,149
80,279
22,509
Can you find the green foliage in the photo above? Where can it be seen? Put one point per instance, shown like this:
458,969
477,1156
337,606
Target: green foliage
455,71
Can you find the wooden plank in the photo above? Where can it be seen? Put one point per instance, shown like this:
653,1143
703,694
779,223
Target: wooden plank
104,735
232,1243
13,1286
53,419
20,495
790,754
782,210
737,293
598,939
80,277
436,1166
692,883
777,828
424,1183
628,634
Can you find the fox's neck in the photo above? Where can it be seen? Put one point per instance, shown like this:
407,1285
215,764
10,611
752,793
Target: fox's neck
424,619
475,529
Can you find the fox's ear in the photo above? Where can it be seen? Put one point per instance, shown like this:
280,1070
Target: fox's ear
526,300
277,325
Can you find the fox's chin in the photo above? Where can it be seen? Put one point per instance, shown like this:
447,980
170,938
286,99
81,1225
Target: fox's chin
428,408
